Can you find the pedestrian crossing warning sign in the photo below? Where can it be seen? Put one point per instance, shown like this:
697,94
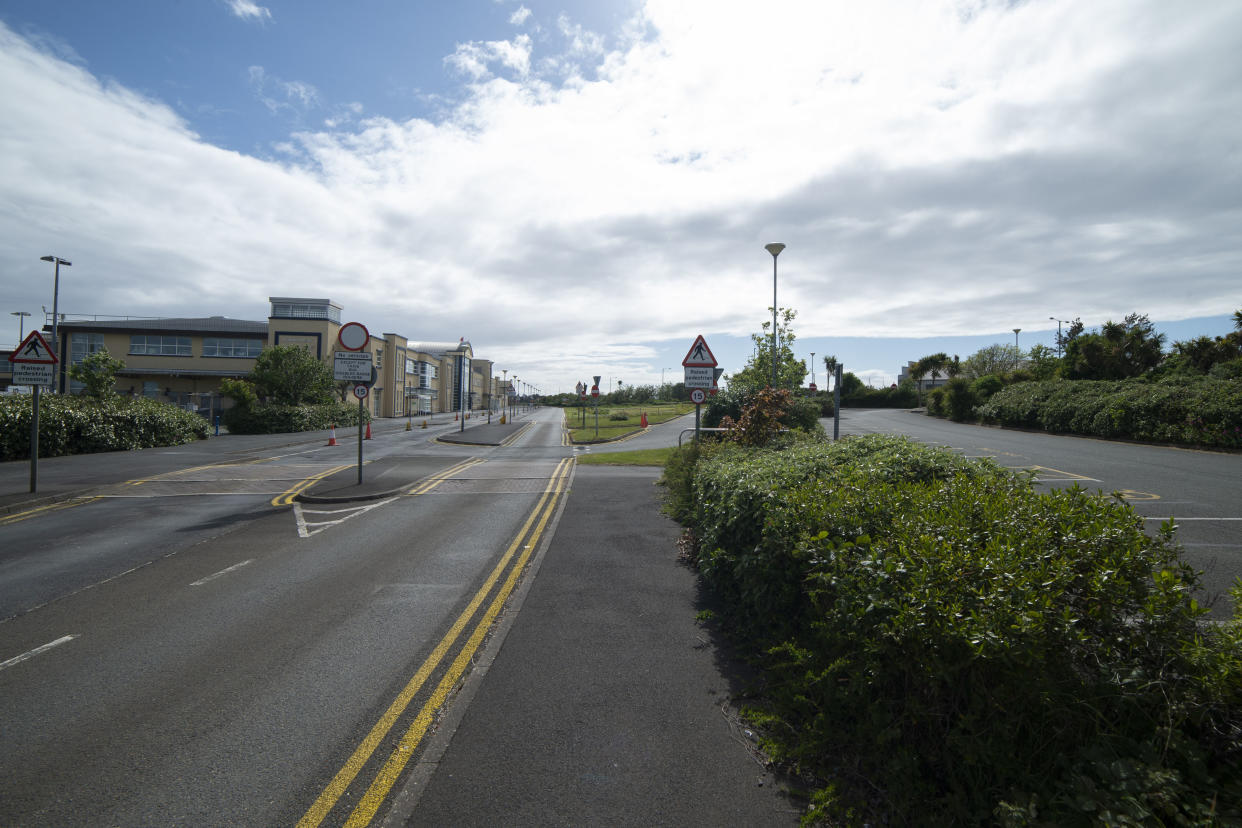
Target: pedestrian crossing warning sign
700,356
34,350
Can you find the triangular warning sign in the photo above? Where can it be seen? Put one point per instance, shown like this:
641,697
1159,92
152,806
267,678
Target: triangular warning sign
34,349
700,356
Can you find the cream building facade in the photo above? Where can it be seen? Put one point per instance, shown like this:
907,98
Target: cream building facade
182,360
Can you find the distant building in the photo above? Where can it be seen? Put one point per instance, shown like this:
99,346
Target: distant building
924,382
183,360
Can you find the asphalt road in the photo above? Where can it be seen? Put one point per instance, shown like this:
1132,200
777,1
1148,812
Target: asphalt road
177,649
1200,490
183,643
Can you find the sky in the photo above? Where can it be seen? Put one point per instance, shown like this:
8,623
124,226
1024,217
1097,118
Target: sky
581,187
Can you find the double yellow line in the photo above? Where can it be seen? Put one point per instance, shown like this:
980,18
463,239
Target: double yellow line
43,510
288,496
514,561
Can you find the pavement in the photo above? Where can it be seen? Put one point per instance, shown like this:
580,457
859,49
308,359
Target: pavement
603,701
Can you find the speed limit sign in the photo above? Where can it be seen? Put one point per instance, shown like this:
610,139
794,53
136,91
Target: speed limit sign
697,396
361,391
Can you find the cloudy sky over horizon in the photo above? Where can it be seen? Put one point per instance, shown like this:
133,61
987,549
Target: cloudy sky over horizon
581,187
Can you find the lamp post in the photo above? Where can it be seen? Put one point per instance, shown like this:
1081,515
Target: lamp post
21,325
812,367
775,249
57,261
1015,338
1059,321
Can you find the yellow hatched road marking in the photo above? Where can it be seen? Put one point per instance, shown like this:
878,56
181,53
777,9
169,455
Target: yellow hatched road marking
383,784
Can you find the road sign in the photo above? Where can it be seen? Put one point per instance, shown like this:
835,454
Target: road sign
33,373
699,356
700,376
698,396
361,391
814,388
594,390
34,350
353,336
351,366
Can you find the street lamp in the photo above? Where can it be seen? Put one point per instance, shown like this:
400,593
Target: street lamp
1059,321
1015,338
812,367
21,326
57,261
775,249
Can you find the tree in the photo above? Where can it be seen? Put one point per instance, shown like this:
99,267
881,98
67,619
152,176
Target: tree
97,372
994,359
1121,349
289,375
934,364
757,374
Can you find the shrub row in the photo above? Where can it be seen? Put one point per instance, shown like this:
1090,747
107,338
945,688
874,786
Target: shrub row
949,646
278,419
82,425
1202,411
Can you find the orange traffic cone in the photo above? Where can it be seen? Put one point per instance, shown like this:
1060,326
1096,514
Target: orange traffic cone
455,416
643,423
368,431
332,435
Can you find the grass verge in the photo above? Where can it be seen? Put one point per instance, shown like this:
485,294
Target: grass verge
642,457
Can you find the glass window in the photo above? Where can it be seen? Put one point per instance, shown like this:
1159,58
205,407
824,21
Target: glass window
159,345
215,346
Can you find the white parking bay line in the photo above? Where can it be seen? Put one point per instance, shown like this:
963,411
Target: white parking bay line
224,571
65,639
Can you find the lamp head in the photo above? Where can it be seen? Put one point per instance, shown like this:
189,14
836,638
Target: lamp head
774,248
57,260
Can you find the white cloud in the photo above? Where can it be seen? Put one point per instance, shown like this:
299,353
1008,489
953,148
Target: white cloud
520,16
936,168
248,10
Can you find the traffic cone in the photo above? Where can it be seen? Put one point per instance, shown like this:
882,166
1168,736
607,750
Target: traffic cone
455,416
424,423
332,435
644,420
368,431
409,425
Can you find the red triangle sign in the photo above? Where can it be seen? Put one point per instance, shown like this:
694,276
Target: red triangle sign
34,350
700,356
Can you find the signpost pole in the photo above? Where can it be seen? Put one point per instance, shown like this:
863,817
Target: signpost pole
34,440
361,416
698,410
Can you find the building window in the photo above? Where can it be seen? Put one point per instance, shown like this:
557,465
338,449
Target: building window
214,346
306,310
150,389
82,345
159,345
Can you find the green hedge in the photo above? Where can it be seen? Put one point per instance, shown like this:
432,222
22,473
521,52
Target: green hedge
1202,411
948,646
82,425
279,419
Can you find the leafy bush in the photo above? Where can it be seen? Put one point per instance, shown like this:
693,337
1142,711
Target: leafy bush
952,647
1192,410
83,425
278,419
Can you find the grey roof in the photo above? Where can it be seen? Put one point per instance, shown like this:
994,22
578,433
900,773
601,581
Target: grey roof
437,347
210,324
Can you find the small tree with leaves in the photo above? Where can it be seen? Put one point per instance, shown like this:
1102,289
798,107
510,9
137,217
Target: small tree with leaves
97,372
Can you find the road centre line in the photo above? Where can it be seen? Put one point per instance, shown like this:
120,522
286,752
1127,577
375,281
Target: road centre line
336,788
26,656
224,571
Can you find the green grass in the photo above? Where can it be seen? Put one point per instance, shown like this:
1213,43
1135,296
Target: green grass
612,429
643,457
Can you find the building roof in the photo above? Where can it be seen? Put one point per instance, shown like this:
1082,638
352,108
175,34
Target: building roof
439,347
210,324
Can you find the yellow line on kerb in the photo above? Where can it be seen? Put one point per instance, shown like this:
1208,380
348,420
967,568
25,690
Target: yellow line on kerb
383,783
43,510
286,499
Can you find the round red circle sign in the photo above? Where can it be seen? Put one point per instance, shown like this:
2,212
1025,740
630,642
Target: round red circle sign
353,336
697,396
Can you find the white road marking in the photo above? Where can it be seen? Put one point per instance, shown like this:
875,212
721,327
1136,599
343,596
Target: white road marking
222,572
304,525
1180,520
36,651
